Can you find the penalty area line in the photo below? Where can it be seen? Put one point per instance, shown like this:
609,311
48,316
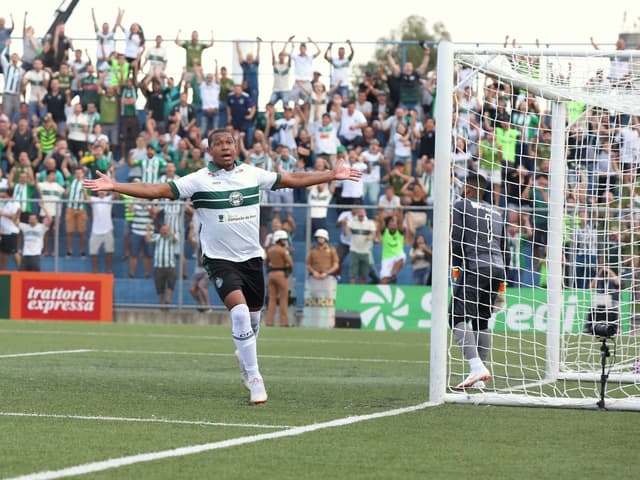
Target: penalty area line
206,447
37,354
140,420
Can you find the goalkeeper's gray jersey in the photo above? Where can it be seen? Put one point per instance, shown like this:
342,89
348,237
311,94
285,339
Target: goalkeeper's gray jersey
478,241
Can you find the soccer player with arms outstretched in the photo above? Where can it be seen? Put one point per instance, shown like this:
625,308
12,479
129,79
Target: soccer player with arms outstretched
479,256
226,195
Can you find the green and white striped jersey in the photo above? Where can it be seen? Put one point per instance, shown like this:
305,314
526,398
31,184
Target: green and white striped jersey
141,218
151,168
228,204
164,254
75,194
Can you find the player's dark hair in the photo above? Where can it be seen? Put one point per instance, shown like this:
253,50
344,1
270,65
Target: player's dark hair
476,181
218,131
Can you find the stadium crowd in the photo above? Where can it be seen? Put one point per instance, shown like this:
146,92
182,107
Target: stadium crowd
67,114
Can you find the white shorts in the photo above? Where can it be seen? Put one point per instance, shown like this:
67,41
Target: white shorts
386,266
98,240
493,176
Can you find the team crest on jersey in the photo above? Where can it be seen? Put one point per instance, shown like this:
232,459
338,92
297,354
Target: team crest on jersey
218,282
236,199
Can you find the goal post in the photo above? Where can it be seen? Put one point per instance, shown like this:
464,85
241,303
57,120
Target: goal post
565,177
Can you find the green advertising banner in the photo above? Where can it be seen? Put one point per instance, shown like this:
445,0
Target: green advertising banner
5,296
400,307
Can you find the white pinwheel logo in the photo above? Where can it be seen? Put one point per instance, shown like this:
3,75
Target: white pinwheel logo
387,308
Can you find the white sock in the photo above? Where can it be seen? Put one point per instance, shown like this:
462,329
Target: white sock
255,322
244,339
476,364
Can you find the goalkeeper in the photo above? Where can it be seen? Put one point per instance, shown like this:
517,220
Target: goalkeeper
479,256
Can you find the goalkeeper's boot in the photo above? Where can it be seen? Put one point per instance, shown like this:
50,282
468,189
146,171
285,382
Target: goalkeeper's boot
243,372
258,392
474,377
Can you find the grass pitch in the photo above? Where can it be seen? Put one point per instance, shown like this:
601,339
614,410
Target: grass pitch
166,402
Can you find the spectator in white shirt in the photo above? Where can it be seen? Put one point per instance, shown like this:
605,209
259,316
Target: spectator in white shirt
351,124
101,230
32,242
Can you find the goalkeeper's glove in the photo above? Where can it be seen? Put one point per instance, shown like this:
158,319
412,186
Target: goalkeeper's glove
500,302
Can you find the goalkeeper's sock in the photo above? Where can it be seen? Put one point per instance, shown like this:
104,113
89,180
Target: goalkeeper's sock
255,322
466,340
476,364
484,344
244,339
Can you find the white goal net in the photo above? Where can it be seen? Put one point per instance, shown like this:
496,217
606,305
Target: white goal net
556,135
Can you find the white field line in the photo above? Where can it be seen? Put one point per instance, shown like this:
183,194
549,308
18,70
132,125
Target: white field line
37,354
277,357
103,465
140,420
198,337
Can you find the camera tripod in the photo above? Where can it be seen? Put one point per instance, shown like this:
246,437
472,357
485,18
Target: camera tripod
604,376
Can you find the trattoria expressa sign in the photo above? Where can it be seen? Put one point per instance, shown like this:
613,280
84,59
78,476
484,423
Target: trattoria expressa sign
45,296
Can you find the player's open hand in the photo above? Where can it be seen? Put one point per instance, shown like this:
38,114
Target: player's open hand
103,183
344,172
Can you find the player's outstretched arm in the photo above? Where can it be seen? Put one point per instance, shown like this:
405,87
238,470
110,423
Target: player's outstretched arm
104,183
306,179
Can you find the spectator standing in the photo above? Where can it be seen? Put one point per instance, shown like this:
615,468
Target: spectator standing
77,131
51,193
584,247
105,37
408,80
37,79
101,235
393,256
420,256
141,225
151,165
340,73
210,94
318,197
9,228
281,69
351,124
250,66
351,192
24,188
362,232
374,160
46,135
199,281
5,33
76,212
32,241
284,163
287,129
129,125
164,262
134,45
303,73
226,87
241,112
193,50
108,105
157,59
325,140
13,75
